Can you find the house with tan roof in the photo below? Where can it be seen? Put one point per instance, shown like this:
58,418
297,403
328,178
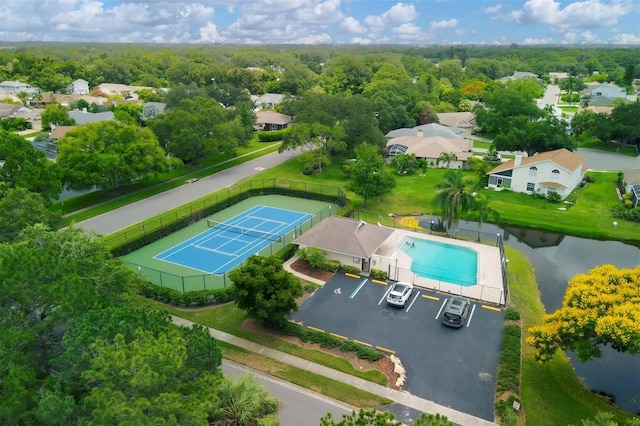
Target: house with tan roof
432,149
349,241
461,120
559,171
271,120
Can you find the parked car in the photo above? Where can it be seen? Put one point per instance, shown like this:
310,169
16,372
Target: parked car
456,311
400,293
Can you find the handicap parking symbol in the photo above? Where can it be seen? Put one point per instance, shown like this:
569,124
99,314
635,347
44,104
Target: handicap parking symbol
337,291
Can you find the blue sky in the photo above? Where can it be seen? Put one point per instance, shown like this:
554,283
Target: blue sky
418,22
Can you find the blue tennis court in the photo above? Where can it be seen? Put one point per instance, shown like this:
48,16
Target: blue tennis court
225,245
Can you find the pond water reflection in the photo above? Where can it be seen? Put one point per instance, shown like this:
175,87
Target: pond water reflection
556,258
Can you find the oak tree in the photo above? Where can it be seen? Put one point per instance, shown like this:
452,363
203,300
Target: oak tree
368,176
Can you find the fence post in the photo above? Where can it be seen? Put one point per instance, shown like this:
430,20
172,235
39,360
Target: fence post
183,291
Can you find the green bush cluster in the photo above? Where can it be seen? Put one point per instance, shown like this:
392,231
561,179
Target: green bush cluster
327,341
191,298
350,269
554,197
511,314
378,274
630,214
509,367
271,135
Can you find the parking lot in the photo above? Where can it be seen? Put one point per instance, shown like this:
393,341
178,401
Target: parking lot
452,367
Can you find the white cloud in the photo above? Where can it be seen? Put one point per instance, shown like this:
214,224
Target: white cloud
492,9
209,34
625,38
398,14
313,39
438,25
351,25
537,41
588,14
360,40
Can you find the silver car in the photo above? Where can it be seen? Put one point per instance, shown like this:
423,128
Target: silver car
400,293
456,311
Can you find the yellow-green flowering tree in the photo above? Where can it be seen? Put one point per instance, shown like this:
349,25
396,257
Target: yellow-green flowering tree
599,308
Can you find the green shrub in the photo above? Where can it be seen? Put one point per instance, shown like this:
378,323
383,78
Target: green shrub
508,378
331,266
589,179
511,314
199,297
350,269
271,135
378,274
554,197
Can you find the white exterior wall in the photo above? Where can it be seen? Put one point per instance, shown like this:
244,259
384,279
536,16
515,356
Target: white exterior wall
521,178
344,259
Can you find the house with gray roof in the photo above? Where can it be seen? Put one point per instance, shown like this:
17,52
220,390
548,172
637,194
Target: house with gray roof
519,75
271,120
84,117
349,241
632,185
78,87
427,130
15,87
458,120
267,101
433,149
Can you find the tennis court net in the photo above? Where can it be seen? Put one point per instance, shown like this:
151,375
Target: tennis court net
244,231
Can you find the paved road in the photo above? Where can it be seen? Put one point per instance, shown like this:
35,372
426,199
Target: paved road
298,406
131,214
550,96
602,160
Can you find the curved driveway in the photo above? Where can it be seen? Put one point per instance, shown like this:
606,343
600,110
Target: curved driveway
131,214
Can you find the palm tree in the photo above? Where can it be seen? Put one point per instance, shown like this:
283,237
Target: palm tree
446,157
454,199
244,402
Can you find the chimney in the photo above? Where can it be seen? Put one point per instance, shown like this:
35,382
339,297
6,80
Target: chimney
420,133
517,160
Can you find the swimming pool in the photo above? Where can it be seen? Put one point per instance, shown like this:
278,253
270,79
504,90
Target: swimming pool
442,262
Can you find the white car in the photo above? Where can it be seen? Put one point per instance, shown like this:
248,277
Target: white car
400,293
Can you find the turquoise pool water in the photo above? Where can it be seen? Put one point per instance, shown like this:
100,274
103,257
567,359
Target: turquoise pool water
443,262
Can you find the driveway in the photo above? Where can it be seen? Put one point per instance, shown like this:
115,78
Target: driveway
603,160
451,367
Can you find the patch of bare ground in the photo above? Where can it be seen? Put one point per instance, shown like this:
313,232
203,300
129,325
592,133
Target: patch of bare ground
384,364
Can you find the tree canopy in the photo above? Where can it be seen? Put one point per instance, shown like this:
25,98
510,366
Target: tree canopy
198,128
318,142
265,289
109,154
368,176
56,115
25,167
600,308
19,209
454,198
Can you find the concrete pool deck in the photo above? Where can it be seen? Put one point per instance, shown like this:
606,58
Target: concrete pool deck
489,288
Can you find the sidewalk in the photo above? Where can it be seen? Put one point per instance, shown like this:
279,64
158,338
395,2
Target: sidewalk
399,397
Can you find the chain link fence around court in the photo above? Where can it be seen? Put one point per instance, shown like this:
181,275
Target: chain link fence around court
150,231
217,201
187,283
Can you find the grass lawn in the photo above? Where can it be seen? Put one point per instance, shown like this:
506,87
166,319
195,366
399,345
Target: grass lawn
551,392
306,379
229,318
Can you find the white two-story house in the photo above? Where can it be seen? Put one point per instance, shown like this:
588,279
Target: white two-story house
559,171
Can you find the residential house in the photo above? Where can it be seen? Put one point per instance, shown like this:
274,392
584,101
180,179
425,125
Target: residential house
598,109
267,101
78,87
518,75
457,120
64,100
433,148
610,91
7,109
29,114
271,120
152,109
349,241
84,117
555,77
124,90
428,130
59,131
559,171
632,185
15,87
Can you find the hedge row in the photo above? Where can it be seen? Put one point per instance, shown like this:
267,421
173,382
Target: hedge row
508,377
271,135
325,340
190,298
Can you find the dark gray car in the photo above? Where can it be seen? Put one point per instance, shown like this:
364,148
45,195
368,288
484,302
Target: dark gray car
456,311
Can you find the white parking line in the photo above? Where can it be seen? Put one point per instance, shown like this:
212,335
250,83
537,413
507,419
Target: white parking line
413,301
358,288
441,308
471,315
384,297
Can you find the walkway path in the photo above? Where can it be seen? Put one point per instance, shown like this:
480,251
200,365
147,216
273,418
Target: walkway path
399,397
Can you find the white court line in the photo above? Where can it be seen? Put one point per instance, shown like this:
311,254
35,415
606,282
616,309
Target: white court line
441,308
412,302
471,315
